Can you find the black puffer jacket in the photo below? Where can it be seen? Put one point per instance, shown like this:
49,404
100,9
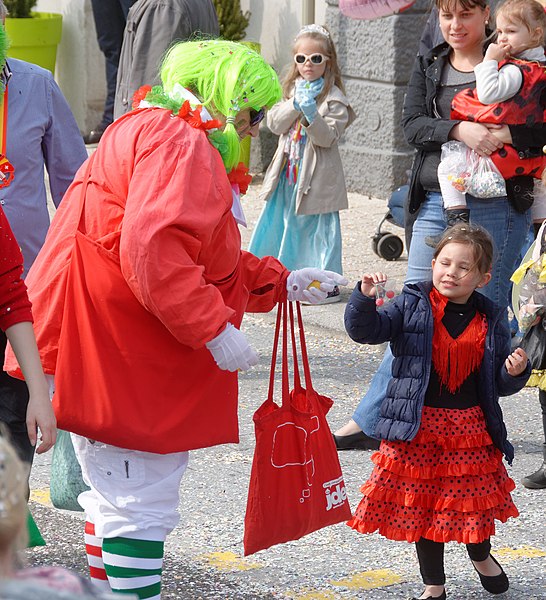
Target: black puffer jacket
408,324
426,131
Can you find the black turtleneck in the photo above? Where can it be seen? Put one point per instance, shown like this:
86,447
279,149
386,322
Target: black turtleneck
456,319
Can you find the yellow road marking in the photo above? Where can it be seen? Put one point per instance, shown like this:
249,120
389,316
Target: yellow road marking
41,496
369,580
522,552
229,561
313,595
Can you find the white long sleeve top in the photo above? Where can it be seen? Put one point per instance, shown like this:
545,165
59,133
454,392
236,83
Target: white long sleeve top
497,85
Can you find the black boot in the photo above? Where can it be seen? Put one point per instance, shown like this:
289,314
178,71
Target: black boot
453,216
537,480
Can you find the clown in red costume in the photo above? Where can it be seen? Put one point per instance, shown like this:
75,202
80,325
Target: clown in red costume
139,293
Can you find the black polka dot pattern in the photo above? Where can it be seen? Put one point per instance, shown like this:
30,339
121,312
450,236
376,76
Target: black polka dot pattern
448,484
526,107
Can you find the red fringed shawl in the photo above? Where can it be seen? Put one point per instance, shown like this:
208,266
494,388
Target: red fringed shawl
455,359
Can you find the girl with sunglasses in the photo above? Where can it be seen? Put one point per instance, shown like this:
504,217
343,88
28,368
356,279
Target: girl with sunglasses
304,185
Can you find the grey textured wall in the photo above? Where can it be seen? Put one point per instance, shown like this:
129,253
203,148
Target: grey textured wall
376,59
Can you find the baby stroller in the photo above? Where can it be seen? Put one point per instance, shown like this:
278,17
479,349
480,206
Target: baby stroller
386,244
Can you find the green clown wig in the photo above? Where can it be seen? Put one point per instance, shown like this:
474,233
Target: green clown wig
227,77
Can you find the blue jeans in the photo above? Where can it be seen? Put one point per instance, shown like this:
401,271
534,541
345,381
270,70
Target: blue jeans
507,227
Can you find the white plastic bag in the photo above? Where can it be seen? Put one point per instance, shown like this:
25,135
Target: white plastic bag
471,173
485,180
457,161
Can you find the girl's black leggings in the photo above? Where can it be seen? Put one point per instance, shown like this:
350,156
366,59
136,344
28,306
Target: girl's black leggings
431,558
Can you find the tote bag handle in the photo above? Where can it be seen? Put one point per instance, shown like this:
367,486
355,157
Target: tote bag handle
303,349
281,314
285,307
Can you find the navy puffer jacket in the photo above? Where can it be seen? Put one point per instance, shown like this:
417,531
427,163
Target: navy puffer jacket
407,323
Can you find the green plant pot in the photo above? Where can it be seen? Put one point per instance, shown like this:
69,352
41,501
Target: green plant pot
244,155
35,40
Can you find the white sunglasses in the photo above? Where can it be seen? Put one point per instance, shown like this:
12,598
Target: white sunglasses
316,59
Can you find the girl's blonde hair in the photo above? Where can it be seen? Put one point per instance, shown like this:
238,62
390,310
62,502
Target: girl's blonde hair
332,74
13,498
227,77
529,13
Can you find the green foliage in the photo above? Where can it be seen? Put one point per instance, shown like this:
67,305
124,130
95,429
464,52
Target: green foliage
19,9
231,19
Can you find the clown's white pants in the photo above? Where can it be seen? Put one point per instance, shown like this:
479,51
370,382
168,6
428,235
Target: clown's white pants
131,491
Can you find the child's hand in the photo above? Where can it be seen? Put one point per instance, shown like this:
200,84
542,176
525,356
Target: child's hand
308,107
497,52
516,363
40,416
368,281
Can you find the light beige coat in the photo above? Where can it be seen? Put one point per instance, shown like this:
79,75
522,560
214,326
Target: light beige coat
321,183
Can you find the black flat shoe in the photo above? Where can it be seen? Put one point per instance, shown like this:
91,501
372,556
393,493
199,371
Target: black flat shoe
496,584
94,136
442,596
356,441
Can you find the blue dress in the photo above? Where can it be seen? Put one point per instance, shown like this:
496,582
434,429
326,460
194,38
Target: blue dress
298,241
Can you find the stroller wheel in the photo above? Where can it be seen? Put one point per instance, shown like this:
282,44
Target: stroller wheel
375,240
389,246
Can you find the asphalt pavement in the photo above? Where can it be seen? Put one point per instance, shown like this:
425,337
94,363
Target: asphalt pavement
204,555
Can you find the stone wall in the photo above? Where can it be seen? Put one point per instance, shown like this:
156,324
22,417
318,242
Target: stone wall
376,58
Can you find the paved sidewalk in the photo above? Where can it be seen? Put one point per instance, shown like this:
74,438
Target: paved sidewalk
204,553
358,225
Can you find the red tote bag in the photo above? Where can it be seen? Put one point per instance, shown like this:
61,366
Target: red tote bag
296,483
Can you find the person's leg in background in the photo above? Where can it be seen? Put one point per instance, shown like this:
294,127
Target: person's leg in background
110,17
537,480
355,435
454,200
430,221
131,507
13,410
508,228
93,551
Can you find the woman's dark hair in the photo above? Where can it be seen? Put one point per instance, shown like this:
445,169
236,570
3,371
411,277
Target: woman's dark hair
466,4
472,235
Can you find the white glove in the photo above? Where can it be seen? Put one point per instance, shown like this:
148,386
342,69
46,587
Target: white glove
298,283
231,350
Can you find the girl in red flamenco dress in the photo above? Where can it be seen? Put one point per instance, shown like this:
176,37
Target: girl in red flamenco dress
438,474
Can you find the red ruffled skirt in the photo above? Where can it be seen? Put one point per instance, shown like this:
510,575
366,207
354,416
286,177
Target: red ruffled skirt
448,484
